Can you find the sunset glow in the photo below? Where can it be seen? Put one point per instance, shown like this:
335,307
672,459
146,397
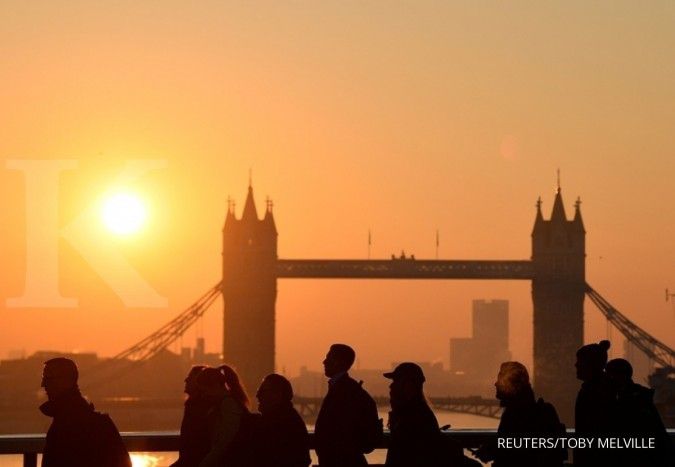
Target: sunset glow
144,460
371,126
123,213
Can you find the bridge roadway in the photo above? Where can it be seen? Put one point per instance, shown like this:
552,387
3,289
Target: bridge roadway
30,445
404,268
308,407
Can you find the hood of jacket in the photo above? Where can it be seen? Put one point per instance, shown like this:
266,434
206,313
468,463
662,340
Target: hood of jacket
68,404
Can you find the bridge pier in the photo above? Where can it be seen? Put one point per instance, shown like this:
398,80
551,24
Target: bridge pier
558,290
249,292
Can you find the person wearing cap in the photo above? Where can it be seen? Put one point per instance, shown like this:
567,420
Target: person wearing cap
595,405
78,435
280,435
347,426
415,434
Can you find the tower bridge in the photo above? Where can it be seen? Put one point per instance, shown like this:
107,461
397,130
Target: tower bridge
556,269
251,268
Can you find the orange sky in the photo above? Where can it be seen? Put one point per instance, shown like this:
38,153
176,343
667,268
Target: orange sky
402,119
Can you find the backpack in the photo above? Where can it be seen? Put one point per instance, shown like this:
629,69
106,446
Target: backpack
370,425
549,424
107,442
241,450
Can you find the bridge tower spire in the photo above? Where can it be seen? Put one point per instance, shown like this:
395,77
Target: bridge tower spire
558,257
249,291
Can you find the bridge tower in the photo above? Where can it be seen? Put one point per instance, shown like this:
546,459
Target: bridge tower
558,257
249,291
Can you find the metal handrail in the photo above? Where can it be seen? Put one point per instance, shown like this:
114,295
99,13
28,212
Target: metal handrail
30,445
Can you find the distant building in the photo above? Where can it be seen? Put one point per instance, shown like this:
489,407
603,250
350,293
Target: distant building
439,382
479,356
140,396
461,354
310,383
16,354
199,356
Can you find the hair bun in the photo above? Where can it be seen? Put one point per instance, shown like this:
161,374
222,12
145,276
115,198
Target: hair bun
605,344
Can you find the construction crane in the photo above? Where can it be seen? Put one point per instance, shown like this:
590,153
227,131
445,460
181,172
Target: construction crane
656,350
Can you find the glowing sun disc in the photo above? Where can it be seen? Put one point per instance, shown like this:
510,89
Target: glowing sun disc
123,213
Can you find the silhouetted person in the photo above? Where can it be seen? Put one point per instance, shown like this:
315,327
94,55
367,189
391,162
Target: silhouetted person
415,435
78,436
523,416
348,425
594,409
281,437
229,403
194,443
636,416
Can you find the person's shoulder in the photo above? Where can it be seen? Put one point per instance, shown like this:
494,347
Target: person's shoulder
364,395
544,405
347,384
230,405
546,408
641,393
426,416
354,385
347,381
548,415
295,419
103,421
640,389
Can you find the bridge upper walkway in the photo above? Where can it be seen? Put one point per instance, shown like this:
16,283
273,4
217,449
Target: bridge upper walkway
404,268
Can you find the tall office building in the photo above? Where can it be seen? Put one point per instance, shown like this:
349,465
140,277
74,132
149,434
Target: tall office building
479,356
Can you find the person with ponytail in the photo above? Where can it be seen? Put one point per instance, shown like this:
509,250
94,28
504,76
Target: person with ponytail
595,404
230,405
235,386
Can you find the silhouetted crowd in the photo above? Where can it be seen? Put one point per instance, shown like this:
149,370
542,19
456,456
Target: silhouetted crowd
220,430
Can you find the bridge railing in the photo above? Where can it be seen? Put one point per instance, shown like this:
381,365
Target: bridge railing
30,445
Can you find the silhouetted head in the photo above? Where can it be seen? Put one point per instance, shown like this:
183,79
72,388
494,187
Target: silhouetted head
591,360
339,358
234,385
274,391
406,385
191,386
513,381
59,376
211,383
620,372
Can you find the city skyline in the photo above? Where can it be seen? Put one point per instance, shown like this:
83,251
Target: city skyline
363,124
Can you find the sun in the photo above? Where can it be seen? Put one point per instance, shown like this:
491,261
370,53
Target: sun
123,213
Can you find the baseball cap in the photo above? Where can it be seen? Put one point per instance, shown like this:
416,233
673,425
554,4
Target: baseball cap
407,370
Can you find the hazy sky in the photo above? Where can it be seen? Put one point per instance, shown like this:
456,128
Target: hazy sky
399,117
